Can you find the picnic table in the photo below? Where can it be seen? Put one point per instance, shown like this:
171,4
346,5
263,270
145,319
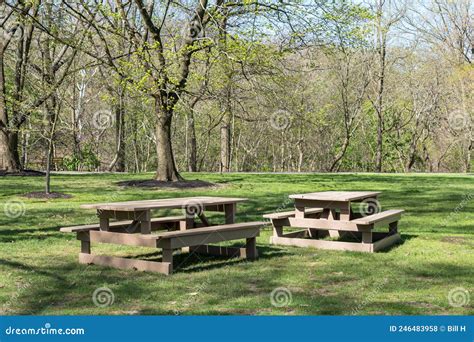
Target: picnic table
329,222
131,223
140,211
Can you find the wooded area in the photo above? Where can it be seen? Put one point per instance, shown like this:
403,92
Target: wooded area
198,85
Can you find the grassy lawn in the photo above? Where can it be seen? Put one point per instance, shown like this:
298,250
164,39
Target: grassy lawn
39,272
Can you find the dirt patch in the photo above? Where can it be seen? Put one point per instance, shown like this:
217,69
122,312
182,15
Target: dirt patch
151,183
24,173
458,240
51,195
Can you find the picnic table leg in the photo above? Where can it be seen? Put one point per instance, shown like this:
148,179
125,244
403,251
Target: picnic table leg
229,211
251,248
299,211
145,222
84,237
168,257
330,215
393,228
367,237
277,229
188,223
346,213
104,223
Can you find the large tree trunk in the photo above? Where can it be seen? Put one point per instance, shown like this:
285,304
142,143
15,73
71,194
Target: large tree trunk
9,158
166,169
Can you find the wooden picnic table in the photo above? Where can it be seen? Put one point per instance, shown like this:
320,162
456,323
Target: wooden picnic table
185,234
336,204
330,214
140,211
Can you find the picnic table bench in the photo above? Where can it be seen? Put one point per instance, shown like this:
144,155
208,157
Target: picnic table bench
329,214
134,227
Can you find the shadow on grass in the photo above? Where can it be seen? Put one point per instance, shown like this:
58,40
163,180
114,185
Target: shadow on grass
196,262
15,235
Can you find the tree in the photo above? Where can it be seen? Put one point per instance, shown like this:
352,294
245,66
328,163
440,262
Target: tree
386,16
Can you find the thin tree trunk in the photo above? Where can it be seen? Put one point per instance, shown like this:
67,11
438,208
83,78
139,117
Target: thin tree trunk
119,109
192,142
336,162
225,143
379,106
468,156
226,126
166,168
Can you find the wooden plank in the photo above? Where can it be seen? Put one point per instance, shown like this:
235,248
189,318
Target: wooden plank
320,204
326,224
156,223
386,242
124,263
338,196
169,203
121,238
211,237
286,214
122,215
385,217
213,229
322,244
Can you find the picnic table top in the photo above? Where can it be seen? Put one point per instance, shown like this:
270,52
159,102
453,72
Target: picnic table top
166,203
337,196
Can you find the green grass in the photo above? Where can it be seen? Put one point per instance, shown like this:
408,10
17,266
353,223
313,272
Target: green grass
39,272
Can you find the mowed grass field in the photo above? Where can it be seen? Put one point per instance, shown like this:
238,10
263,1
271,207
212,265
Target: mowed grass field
431,272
